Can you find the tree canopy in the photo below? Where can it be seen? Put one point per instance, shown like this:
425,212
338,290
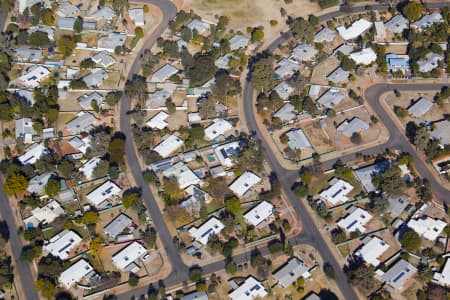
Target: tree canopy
15,184
410,241
412,11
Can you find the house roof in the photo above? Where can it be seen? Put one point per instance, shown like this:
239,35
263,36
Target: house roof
117,225
398,204
184,176
128,255
399,273
397,62
88,168
27,53
244,183
103,192
429,62
286,68
202,234
338,75
49,212
372,250
104,59
380,29
365,57
259,213
427,227
38,183
238,41
158,99
337,191
355,125
225,152
194,117
441,132
286,113
314,90
80,144
33,76
61,244
284,90
355,30
345,49
137,15
443,277
104,12
364,174
66,23
324,35
331,98
48,133
26,95
304,52
397,24
291,272
86,100
75,273
33,154
158,121
420,107
163,73
198,25
297,139
196,296
168,145
250,289
96,77
429,20
223,61
217,128
84,122
44,28
355,220
24,129
111,41
66,9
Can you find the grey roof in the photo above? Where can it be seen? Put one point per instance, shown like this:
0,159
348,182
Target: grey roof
284,90
324,35
397,24
355,125
103,13
223,61
399,273
430,62
76,143
297,139
429,20
25,53
66,9
66,23
38,183
48,133
86,100
290,272
398,204
420,107
158,98
82,123
66,196
163,73
286,113
111,41
345,49
331,98
338,75
24,127
97,76
441,132
196,296
117,225
304,52
314,91
198,25
286,68
89,25
364,174
104,58
238,41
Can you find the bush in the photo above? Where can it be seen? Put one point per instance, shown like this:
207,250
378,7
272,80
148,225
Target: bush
327,3
195,274
329,271
257,35
273,23
139,32
411,241
133,279
276,247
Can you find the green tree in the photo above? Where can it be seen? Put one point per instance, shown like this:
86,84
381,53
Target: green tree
172,192
348,64
410,241
52,187
391,181
412,11
90,217
306,175
421,138
129,199
46,288
139,32
119,6
195,274
257,35
66,45
133,279
302,29
66,168
233,206
329,270
48,18
39,39
78,25
262,74
117,150
15,184
28,253
231,267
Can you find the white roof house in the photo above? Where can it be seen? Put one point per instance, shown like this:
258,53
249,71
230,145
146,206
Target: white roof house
238,41
244,183
104,13
304,52
380,29
429,62
102,193
137,15
33,77
297,139
24,130
61,244
85,101
80,144
96,77
217,128
355,125
184,176
114,228
286,113
338,75
331,98
66,23
441,132
250,289
196,296
324,35
355,30
291,272
202,234
427,227
158,121
337,191
168,145
26,95
284,90
365,57
127,258
88,168
428,21
198,25
286,68
33,154
443,277
111,41
38,183
84,122
45,29
355,220
46,214
158,98
420,107
397,24
26,54
259,213
223,61
194,117
104,59
66,9
224,153
371,251
314,91
397,276
164,73
75,273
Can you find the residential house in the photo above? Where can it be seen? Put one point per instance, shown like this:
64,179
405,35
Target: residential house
137,15
284,90
304,52
158,121
380,30
62,244
66,23
428,21
324,35
337,192
443,277
344,49
312,296
356,125
26,95
158,98
199,26
38,183
48,133
428,228
258,215
225,152
244,183
364,174
164,73
297,139
397,204
441,132
66,9
183,175
338,75
250,289
364,57
238,41
80,145
118,225
196,296
89,167
396,63
104,59
26,54
286,113
103,13
223,61
219,127
398,275
96,77
372,250
429,62
314,91
85,101
66,196
291,272
75,273
84,122
44,215
33,76
25,130
356,220
397,24
100,195
129,257
442,164
331,98
33,154
194,117
420,107
202,234
286,68
355,30
196,197
168,145
111,41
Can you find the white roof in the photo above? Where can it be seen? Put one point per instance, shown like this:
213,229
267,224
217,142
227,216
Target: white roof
38,183
198,25
194,117
291,272
105,191
238,41
284,90
30,54
249,290
26,95
84,122
372,250
337,192
427,227
224,153
158,121
61,244
184,176
286,113
104,59
128,255
297,139
25,130
355,220
324,35
223,61
158,98
286,68
48,213
33,76
88,168
441,132
137,15
420,107
380,29
365,57
96,77
111,41
355,30
103,13
33,154
331,98
202,234
443,278
168,145
338,75
304,52
314,91
66,23
259,213
217,128
429,20
163,73
355,125
430,62
85,101
244,183
397,24
66,9
80,144
75,273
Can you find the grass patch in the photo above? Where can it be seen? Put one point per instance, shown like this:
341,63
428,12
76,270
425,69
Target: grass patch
319,183
48,233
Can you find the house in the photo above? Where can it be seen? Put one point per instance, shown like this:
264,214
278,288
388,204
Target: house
66,23
168,145
304,52
337,192
196,296
181,45
441,132
158,121
442,163
33,77
244,183
62,244
25,95
355,30
396,63
259,214
291,272
398,275
284,90
286,68
443,277
84,122
372,249
137,15
397,204
286,113
45,29
364,57
380,30
89,25
223,61
218,128
184,176
250,289
111,41
25,130
338,75
164,73
104,13
128,258
158,98
198,25
397,24
344,49
66,9
428,21
196,198
33,154
118,225
225,153
427,227
202,234
238,41
355,220
38,183
331,98
429,62
85,101
26,54
194,117
420,107
314,91
297,139
104,59
75,273
364,174
89,167
48,133
96,78
100,195
324,35
66,196
80,144
44,215
355,125
24,4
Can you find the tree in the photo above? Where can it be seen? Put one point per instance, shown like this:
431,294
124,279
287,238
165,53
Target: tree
117,149
137,88
347,64
87,63
262,73
129,199
327,3
172,192
78,25
66,168
46,288
39,39
202,70
195,273
139,32
421,138
300,190
133,279
257,35
356,138
90,217
65,45
276,247
52,187
329,270
302,29
171,107
410,241
412,11
233,206
306,175
15,184
48,18
361,275
28,253
231,267
390,181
